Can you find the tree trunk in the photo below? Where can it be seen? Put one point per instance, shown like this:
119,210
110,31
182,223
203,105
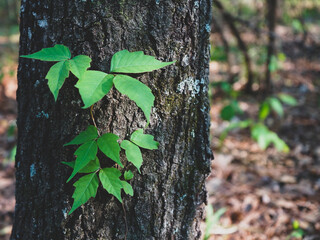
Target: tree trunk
242,46
169,192
271,18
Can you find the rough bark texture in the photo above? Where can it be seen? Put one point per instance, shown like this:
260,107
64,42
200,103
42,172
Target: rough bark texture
170,190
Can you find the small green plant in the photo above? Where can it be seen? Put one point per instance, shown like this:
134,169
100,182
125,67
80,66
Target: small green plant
212,219
297,232
93,86
231,107
258,129
274,104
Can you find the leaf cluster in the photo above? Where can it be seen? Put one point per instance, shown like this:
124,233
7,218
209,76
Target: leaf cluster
93,86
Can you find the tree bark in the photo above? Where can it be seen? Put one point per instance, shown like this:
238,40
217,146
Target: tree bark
169,192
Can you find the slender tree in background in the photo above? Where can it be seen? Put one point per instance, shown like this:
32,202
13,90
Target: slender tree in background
271,20
228,18
169,192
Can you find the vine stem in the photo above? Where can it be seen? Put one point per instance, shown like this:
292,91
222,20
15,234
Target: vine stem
94,122
125,220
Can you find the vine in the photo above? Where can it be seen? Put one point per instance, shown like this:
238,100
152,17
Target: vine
93,86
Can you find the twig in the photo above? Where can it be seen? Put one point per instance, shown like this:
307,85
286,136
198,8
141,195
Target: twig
94,122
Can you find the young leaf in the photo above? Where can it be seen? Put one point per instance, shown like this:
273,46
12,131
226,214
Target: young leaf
135,62
136,91
287,99
127,188
128,175
234,125
56,77
79,64
227,113
109,178
89,134
94,85
92,166
55,54
86,187
133,153
276,105
264,110
143,140
108,144
85,153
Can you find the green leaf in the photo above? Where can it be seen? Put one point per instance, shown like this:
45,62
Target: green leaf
297,233
280,145
135,62
94,85
258,130
56,76
234,125
226,87
128,175
276,105
227,113
273,65
264,110
143,140
136,91
92,166
296,224
265,137
110,147
110,180
79,64
133,153
212,219
89,134
86,187
85,153
55,54
287,99
127,188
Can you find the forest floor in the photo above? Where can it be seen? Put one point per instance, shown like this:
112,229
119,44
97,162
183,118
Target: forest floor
264,193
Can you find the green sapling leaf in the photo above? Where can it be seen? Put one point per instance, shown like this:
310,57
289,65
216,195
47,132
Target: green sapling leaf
264,110
94,85
133,153
56,76
79,64
135,62
287,99
108,144
276,105
227,113
127,188
89,134
143,140
110,180
85,153
55,54
128,175
92,166
86,187
136,91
